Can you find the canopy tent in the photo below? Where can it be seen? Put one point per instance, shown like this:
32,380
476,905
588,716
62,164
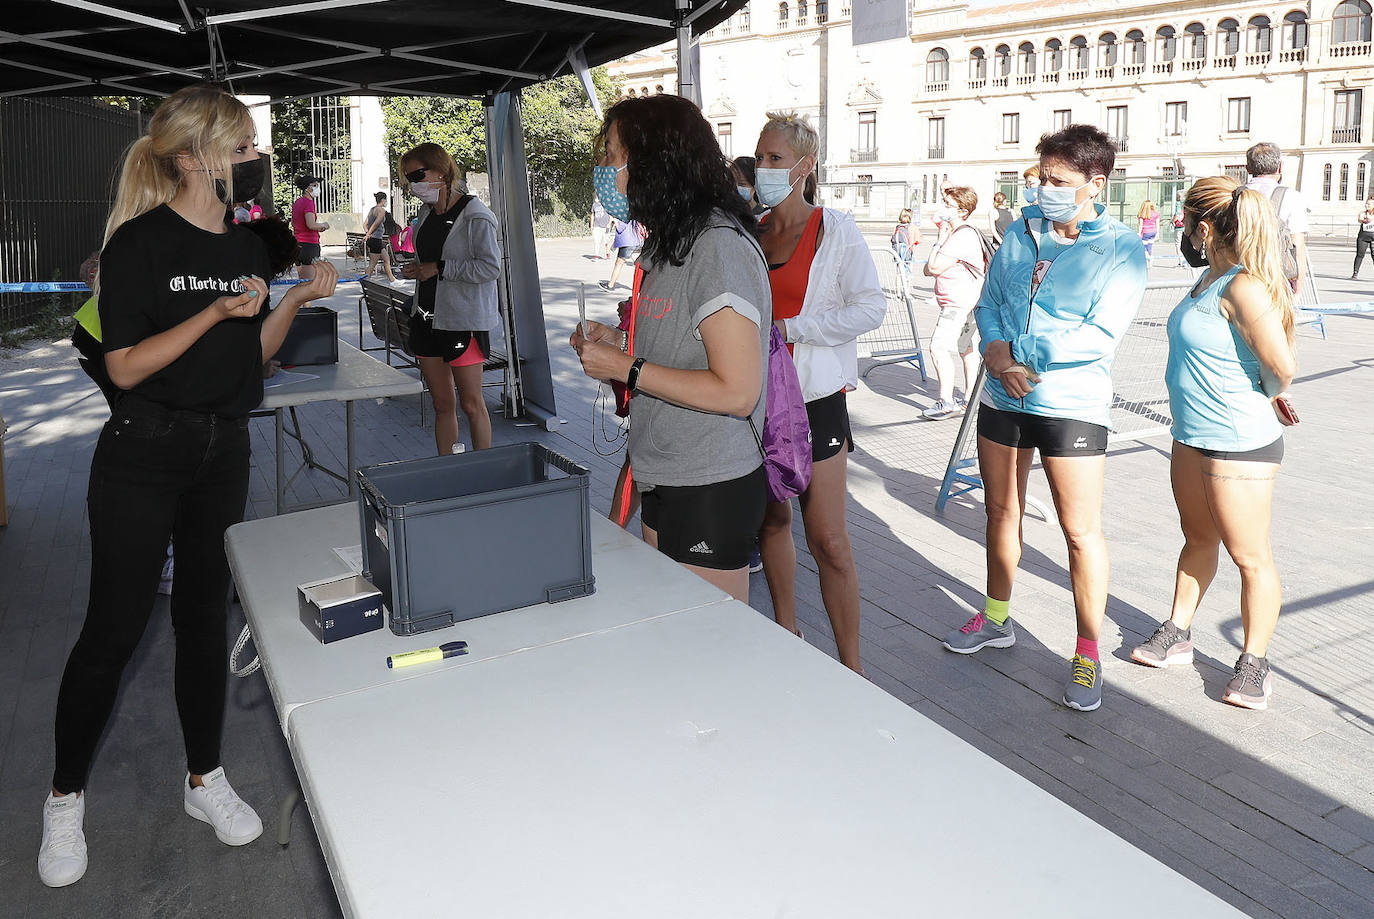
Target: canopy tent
486,49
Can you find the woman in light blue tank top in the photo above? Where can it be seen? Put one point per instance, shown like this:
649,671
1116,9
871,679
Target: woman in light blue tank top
1230,360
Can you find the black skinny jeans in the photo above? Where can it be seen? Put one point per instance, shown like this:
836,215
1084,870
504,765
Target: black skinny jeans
156,474
1364,245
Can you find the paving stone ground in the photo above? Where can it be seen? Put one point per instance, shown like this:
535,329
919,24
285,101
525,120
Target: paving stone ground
1274,812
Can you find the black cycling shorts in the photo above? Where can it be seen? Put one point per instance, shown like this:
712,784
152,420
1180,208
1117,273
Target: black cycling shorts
427,341
1052,436
710,526
829,418
375,245
309,252
1269,453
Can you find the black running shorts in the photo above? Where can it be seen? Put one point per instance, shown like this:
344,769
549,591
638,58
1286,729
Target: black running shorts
1052,436
830,433
710,526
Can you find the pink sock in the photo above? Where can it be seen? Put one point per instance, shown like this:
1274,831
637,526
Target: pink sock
1087,648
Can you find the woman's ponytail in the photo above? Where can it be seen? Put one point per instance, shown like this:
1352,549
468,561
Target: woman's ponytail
146,181
1255,242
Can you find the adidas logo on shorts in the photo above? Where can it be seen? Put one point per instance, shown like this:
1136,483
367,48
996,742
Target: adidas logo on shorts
701,548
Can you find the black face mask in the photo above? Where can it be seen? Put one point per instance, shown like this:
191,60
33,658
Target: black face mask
1191,254
248,179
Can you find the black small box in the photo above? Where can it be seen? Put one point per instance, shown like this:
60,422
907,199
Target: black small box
312,339
336,608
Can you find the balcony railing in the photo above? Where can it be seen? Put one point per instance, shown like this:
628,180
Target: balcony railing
1226,60
1192,65
999,81
937,87
868,155
936,153
1345,135
1078,74
1293,55
1164,67
1050,76
1350,49
1258,58
1025,79
1106,73
1122,145
978,83
1132,70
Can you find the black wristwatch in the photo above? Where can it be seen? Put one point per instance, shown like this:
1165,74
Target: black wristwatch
632,378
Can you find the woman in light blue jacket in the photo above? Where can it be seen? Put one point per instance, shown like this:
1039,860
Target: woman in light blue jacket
1061,291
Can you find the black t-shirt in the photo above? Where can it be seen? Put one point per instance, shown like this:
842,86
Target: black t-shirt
429,247
157,271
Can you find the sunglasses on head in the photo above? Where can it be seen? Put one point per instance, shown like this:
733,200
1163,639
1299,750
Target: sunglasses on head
416,175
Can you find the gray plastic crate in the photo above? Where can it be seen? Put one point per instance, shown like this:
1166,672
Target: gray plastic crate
449,538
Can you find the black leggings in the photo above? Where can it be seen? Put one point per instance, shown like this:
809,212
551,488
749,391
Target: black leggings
156,475
1364,245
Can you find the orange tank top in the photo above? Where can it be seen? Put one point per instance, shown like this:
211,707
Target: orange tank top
788,280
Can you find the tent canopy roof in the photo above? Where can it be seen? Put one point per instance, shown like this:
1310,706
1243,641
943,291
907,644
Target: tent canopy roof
324,47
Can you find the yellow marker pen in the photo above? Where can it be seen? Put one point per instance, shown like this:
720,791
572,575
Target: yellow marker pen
426,655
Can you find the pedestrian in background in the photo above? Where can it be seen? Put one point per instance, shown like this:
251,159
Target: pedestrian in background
601,233
957,264
1364,237
1149,229
306,224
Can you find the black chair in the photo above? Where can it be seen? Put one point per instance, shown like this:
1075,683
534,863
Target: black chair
388,313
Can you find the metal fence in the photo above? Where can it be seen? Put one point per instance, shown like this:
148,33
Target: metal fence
59,166
1140,400
897,339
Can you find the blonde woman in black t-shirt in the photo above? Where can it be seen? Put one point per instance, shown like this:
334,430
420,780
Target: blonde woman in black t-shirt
182,308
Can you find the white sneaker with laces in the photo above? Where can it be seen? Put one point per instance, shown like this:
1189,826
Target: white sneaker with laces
216,803
62,856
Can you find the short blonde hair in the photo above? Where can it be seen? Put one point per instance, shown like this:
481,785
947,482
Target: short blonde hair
965,197
1032,173
804,140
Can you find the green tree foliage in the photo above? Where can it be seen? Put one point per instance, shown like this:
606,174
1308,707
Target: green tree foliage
559,127
311,136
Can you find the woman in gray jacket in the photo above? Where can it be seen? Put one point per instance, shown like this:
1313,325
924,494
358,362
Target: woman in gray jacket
457,263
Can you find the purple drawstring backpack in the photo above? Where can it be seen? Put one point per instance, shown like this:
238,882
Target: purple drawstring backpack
786,440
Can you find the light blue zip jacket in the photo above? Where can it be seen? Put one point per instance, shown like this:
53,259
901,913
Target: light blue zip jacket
1068,336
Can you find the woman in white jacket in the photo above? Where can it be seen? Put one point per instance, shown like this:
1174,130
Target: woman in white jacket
825,295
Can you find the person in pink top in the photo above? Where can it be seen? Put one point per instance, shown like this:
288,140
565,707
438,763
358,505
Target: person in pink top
956,263
305,223
1149,229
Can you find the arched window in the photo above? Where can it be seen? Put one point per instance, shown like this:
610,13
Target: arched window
1326,182
1135,47
801,12
1345,180
1228,37
784,14
1026,54
937,66
1054,55
1195,42
822,12
1106,49
1295,31
1166,43
1359,180
1260,35
1351,22
1078,57
977,64
1002,62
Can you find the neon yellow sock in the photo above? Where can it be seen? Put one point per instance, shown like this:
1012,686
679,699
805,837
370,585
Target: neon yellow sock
996,610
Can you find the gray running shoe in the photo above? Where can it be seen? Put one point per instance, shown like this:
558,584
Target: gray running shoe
1084,689
980,632
1251,686
1169,645
941,410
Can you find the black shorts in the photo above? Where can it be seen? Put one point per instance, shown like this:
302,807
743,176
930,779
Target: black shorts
1269,453
628,253
427,341
710,526
1053,436
829,418
375,245
309,252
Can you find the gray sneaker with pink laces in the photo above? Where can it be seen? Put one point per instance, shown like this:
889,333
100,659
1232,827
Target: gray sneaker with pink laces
980,632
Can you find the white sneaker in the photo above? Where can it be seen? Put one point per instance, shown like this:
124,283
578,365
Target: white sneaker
216,803
62,857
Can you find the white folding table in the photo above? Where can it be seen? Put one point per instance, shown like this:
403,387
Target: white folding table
355,376
655,749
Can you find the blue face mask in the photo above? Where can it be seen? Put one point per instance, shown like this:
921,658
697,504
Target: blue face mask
1060,204
612,198
745,192
1031,192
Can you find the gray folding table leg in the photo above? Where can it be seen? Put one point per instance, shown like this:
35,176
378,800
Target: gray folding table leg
281,448
288,807
351,468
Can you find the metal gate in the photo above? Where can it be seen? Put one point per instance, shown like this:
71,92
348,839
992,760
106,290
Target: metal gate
312,137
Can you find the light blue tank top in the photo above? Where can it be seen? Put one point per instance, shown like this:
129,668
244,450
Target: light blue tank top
1215,395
